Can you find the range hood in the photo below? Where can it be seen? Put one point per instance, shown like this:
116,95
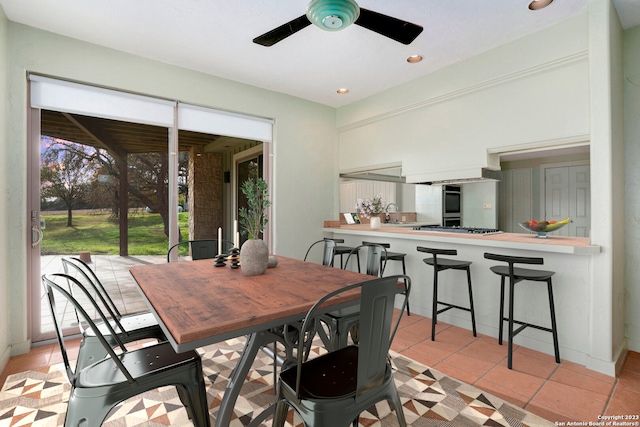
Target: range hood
386,174
456,177
441,177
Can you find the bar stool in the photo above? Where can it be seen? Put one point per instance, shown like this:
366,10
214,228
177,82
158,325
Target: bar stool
515,275
393,256
441,264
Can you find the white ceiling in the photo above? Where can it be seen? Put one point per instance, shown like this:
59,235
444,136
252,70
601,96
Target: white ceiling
215,37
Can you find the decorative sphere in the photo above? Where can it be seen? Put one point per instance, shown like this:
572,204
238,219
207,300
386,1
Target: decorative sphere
273,261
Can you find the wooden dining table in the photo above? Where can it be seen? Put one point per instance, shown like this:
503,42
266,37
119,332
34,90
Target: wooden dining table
197,304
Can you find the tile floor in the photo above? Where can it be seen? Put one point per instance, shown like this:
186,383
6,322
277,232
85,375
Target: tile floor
558,392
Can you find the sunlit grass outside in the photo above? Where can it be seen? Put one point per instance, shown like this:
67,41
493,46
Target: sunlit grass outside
98,234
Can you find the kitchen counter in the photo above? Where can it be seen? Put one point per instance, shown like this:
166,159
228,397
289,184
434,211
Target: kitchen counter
571,258
553,243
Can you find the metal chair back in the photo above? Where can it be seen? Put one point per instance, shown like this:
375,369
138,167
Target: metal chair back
199,249
97,388
376,258
328,251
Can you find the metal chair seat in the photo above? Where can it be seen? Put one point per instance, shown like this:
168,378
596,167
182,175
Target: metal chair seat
446,264
522,273
128,328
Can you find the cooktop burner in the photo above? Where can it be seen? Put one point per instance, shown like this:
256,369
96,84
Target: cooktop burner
456,229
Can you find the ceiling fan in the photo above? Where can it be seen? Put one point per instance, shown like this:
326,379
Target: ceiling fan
335,15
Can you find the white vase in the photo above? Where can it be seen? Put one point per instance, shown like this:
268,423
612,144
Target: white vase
254,257
374,222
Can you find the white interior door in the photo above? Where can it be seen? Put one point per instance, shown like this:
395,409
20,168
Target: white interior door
567,194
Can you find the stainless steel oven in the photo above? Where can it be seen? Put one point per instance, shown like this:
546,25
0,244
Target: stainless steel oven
451,205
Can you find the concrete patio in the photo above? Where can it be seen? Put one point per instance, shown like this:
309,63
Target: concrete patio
113,272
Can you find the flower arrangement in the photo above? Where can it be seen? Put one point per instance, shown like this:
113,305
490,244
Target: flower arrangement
368,207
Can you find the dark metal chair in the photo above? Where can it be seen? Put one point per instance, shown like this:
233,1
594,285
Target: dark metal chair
442,264
335,388
198,249
97,388
342,322
344,250
394,256
516,275
328,251
129,327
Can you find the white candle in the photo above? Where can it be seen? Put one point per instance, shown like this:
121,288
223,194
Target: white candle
219,240
236,237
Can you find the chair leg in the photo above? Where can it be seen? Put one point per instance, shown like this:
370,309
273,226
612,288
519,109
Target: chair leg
280,415
86,412
396,403
193,396
473,313
510,345
404,271
554,329
501,324
434,308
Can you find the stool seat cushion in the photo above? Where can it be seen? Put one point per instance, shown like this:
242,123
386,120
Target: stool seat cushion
343,250
394,256
522,273
444,263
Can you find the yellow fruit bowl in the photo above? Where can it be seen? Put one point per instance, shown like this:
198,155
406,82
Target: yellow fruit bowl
543,227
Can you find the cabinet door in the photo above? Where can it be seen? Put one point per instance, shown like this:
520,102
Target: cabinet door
387,189
348,197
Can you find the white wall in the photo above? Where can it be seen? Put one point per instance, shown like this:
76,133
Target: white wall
6,209
303,130
632,185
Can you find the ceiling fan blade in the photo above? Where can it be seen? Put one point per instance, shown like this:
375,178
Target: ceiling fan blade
394,28
282,32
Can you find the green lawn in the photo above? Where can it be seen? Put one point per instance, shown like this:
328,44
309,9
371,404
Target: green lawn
97,234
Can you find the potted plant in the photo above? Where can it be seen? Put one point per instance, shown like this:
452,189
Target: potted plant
371,209
254,253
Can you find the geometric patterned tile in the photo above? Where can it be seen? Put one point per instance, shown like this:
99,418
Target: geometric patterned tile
430,398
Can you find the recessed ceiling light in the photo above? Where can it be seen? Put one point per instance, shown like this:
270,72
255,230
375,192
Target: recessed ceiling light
343,90
414,59
539,4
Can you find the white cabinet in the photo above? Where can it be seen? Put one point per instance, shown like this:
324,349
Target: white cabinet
351,191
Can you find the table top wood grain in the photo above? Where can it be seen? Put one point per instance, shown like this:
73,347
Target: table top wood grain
199,304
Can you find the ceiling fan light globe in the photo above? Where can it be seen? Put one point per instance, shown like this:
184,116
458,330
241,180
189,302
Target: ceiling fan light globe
333,15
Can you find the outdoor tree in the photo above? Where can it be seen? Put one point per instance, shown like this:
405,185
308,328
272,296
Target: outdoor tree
147,176
65,175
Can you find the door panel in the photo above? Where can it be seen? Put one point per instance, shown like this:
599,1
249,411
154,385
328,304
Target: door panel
567,194
580,196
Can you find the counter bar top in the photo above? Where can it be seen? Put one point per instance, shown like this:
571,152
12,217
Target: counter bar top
553,243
